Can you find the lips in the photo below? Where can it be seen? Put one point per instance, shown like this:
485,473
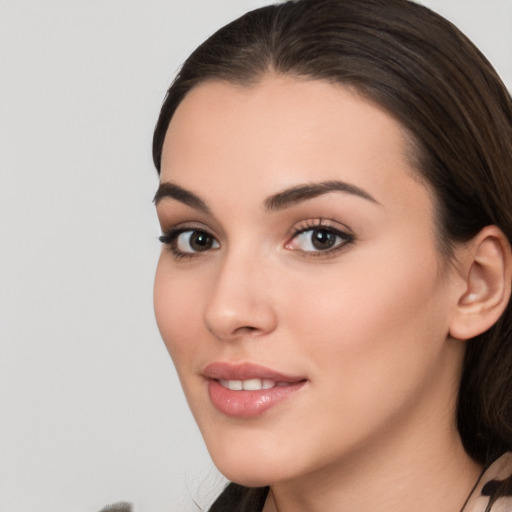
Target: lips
248,390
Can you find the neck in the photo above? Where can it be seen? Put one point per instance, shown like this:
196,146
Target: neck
402,473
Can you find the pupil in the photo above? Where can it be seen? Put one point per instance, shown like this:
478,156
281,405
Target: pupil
201,241
323,239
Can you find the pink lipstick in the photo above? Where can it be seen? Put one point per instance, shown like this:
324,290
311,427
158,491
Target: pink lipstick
248,390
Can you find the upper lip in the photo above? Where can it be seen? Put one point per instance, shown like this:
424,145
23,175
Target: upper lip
245,371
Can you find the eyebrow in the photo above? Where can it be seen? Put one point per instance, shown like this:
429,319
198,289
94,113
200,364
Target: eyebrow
301,193
276,202
168,189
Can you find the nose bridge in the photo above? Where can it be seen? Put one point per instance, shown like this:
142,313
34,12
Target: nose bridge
239,302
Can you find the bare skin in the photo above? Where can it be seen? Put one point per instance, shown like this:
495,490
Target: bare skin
344,287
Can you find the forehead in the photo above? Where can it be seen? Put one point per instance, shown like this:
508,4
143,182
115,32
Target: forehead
280,132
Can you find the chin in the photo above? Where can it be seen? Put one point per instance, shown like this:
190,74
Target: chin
251,463
247,474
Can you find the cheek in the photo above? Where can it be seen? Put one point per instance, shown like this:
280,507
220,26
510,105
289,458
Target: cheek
366,319
176,303
372,341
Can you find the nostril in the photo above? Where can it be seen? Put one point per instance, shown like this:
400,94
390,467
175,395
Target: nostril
246,329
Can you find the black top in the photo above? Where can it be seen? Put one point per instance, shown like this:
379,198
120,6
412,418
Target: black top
237,498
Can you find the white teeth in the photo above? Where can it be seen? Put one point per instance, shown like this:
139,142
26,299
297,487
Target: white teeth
252,384
247,385
235,385
267,384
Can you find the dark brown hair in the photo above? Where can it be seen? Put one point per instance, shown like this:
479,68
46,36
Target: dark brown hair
436,83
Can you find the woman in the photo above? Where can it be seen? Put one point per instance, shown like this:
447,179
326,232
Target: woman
335,201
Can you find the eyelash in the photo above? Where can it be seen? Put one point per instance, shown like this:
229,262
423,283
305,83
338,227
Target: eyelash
170,238
343,238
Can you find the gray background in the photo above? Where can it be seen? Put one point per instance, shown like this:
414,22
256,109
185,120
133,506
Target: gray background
90,407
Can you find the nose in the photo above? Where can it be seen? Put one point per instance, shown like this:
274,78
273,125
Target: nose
240,303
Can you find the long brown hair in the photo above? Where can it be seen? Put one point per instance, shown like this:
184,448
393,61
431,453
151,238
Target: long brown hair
423,71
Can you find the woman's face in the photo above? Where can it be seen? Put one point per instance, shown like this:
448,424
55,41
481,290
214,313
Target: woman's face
299,290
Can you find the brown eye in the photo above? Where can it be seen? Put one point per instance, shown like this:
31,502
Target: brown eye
195,241
319,240
322,239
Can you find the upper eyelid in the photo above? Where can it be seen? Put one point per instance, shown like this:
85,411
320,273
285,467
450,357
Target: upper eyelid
321,222
297,228
338,232
177,229
347,235
172,219
187,226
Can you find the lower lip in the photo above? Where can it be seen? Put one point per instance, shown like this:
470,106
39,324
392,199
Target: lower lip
249,404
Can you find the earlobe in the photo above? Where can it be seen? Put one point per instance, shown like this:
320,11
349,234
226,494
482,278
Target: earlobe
487,272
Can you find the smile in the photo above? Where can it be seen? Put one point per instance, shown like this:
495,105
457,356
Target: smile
251,384
248,390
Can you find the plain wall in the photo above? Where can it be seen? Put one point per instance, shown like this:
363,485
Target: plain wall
90,407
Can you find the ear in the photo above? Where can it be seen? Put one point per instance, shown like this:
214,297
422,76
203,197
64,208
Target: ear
487,273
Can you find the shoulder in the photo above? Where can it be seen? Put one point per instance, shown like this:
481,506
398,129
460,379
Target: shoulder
496,480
